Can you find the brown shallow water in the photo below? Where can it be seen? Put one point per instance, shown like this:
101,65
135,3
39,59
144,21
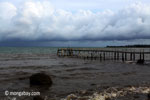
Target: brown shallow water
69,75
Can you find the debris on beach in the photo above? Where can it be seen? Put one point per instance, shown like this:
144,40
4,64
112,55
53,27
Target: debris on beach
112,92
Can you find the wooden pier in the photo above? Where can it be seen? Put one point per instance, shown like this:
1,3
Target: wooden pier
104,54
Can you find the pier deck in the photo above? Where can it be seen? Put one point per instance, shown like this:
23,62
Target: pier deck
104,54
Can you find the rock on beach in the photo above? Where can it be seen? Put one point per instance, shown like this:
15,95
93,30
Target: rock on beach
40,79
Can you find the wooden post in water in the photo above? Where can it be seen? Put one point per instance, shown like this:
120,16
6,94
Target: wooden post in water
131,56
91,56
100,56
104,55
67,52
62,52
123,57
87,57
95,55
134,56
115,55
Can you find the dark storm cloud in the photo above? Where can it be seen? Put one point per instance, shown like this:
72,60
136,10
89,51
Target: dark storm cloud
40,21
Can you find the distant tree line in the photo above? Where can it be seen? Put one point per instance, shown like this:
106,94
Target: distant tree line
130,46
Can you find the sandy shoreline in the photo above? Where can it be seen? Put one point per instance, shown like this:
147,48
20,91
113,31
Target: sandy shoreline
70,75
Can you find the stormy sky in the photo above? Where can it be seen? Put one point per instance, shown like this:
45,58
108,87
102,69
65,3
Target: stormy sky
74,22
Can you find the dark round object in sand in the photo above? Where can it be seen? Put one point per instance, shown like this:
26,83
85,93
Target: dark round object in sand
38,98
40,79
140,61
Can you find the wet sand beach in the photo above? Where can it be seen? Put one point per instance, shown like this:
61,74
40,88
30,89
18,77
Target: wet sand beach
69,75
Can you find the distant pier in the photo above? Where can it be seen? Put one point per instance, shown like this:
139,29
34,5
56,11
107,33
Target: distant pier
104,54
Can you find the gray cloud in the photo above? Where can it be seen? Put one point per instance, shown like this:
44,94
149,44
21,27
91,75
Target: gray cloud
40,21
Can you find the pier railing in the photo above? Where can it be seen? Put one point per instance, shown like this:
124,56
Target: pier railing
104,54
